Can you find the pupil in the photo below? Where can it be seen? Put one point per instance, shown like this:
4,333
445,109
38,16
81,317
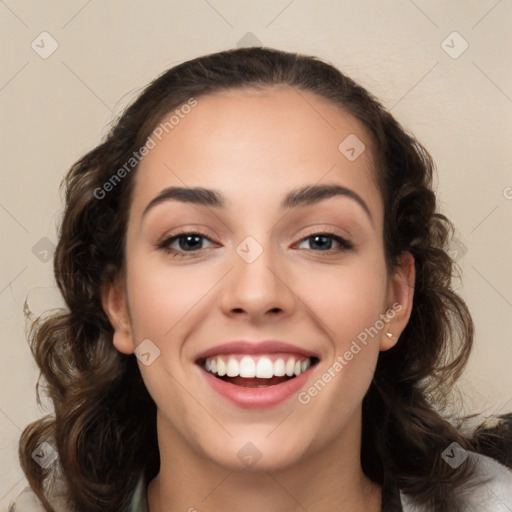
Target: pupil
325,238
189,239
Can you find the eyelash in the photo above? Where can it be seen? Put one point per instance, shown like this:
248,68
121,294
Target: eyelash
345,245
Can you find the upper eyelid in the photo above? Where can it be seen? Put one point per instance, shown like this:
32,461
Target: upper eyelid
171,238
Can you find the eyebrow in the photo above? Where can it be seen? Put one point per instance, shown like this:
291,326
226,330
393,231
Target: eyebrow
304,196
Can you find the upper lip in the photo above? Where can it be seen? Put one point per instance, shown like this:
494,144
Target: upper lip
255,347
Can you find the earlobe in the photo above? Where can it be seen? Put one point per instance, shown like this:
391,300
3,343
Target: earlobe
114,303
400,299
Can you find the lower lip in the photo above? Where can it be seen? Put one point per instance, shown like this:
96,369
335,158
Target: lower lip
257,398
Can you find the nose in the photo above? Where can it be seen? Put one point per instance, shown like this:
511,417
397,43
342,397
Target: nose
258,289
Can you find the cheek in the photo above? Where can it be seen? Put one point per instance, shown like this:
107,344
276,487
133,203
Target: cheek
163,303
347,299
161,297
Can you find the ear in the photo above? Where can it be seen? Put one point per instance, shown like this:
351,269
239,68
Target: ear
399,299
114,301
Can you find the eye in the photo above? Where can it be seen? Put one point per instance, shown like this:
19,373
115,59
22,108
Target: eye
192,242
323,242
182,243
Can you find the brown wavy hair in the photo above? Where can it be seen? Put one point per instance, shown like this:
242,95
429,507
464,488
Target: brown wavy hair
104,425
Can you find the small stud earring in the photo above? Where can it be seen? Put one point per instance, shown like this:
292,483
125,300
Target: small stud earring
389,335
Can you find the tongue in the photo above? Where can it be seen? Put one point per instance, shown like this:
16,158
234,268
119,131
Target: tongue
255,382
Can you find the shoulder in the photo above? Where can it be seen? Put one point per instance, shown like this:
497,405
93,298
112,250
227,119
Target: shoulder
492,491
495,493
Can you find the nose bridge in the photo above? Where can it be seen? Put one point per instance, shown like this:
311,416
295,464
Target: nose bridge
256,285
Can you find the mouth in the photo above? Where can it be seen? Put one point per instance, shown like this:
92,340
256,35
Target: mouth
257,371
256,375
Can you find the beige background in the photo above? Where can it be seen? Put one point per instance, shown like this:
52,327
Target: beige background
54,109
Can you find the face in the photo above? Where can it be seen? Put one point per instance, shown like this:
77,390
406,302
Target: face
261,263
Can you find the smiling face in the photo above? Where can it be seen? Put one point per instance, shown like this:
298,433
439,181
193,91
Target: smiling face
252,256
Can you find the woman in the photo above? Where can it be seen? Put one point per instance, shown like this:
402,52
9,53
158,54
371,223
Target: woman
260,313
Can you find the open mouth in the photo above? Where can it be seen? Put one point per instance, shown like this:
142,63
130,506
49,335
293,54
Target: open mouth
251,371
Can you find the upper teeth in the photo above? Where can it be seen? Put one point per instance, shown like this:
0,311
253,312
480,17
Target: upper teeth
261,367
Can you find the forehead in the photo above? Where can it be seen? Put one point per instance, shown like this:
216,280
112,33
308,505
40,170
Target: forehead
253,143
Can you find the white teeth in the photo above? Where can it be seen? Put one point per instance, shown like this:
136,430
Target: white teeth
290,365
232,368
261,367
221,367
279,368
264,368
247,367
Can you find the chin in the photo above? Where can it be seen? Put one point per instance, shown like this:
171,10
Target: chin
258,453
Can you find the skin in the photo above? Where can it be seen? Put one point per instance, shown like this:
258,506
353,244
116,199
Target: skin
254,147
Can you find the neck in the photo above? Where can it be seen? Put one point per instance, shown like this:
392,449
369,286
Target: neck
330,479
